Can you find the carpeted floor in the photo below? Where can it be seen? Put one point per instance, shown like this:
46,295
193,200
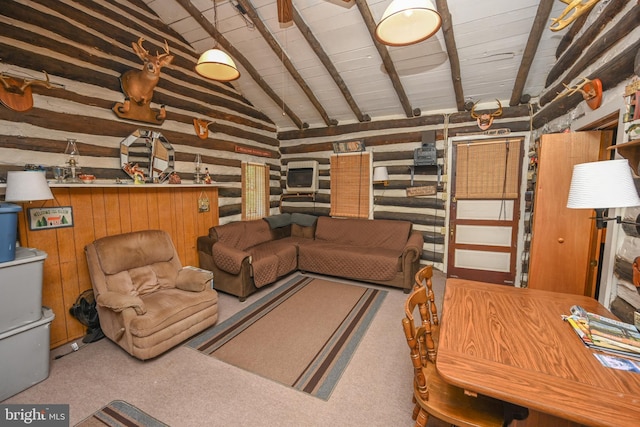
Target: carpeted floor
184,389
302,335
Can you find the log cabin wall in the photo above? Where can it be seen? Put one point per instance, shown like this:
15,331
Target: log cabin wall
392,144
84,46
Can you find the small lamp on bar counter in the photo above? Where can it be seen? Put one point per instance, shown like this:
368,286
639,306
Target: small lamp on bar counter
603,185
381,175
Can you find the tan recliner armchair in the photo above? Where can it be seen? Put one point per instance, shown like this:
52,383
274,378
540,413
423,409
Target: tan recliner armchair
147,302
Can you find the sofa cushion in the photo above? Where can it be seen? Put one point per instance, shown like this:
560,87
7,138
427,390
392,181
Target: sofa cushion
354,262
298,230
379,233
243,234
304,220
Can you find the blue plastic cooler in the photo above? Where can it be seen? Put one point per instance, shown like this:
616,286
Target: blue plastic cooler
8,230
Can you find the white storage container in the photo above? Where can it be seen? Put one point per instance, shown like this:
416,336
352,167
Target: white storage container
21,288
24,355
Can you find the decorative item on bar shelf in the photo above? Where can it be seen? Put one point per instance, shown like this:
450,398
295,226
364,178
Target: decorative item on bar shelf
86,178
198,167
73,153
174,178
207,177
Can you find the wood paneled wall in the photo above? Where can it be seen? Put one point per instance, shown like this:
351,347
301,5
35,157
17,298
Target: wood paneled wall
105,211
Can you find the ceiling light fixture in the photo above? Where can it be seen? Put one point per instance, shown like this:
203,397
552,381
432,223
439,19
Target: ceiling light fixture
215,64
406,22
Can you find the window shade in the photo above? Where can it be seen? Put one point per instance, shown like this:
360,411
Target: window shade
255,191
350,185
488,170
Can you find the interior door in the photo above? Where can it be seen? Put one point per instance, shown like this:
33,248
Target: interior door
484,210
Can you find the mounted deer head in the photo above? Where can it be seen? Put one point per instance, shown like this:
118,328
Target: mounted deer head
591,91
16,93
202,128
486,120
138,85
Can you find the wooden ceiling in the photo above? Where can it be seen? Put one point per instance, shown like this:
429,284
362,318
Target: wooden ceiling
327,69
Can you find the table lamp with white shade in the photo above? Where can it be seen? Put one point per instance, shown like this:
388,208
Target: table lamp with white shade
22,186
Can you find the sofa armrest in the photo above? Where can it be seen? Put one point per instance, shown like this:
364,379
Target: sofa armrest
205,243
228,258
193,280
118,302
413,249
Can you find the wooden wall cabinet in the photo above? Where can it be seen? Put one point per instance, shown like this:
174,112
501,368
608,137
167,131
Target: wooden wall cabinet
103,211
565,242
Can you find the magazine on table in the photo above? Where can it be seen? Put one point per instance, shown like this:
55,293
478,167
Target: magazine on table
605,334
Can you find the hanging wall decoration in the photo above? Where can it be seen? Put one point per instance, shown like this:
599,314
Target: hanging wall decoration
202,127
486,120
576,8
138,86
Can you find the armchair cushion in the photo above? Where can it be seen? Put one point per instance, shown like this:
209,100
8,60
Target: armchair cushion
144,279
118,302
193,280
121,283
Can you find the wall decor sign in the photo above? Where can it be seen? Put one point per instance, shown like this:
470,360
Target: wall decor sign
47,218
348,147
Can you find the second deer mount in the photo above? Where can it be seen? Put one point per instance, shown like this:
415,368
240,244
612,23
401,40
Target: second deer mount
16,93
138,86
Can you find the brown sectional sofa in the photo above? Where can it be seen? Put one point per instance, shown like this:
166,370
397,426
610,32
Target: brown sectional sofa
247,255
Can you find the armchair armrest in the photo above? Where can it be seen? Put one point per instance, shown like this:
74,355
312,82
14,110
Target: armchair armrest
193,280
228,258
119,302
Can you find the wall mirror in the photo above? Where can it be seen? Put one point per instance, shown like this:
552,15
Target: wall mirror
147,155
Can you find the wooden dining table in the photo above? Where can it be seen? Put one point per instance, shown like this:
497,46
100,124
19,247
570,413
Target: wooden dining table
512,344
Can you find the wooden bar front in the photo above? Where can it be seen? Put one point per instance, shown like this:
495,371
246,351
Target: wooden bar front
100,211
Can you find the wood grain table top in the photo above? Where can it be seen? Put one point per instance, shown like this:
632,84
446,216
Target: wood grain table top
512,344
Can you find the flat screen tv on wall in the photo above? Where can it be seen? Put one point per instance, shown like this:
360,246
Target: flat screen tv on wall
302,176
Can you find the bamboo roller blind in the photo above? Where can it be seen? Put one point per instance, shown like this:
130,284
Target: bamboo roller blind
255,191
488,170
350,185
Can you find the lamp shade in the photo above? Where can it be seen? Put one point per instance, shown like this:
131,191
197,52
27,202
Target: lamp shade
602,185
215,64
380,174
27,186
406,22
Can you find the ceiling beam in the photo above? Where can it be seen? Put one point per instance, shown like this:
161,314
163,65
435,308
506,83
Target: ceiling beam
386,59
213,32
538,27
452,52
324,58
266,34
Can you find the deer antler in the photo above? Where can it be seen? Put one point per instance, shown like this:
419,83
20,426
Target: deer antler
570,90
578,8
30,82
498,112
166,51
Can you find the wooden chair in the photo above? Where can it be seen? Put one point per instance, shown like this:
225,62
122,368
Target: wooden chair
431,394
424,275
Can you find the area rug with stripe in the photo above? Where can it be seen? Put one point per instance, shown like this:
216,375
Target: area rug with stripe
120,414
302,334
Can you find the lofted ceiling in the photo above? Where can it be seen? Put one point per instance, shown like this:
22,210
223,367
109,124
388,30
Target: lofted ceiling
326,68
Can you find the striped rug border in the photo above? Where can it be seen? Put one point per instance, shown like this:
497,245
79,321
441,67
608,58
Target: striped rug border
323,372
120,414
